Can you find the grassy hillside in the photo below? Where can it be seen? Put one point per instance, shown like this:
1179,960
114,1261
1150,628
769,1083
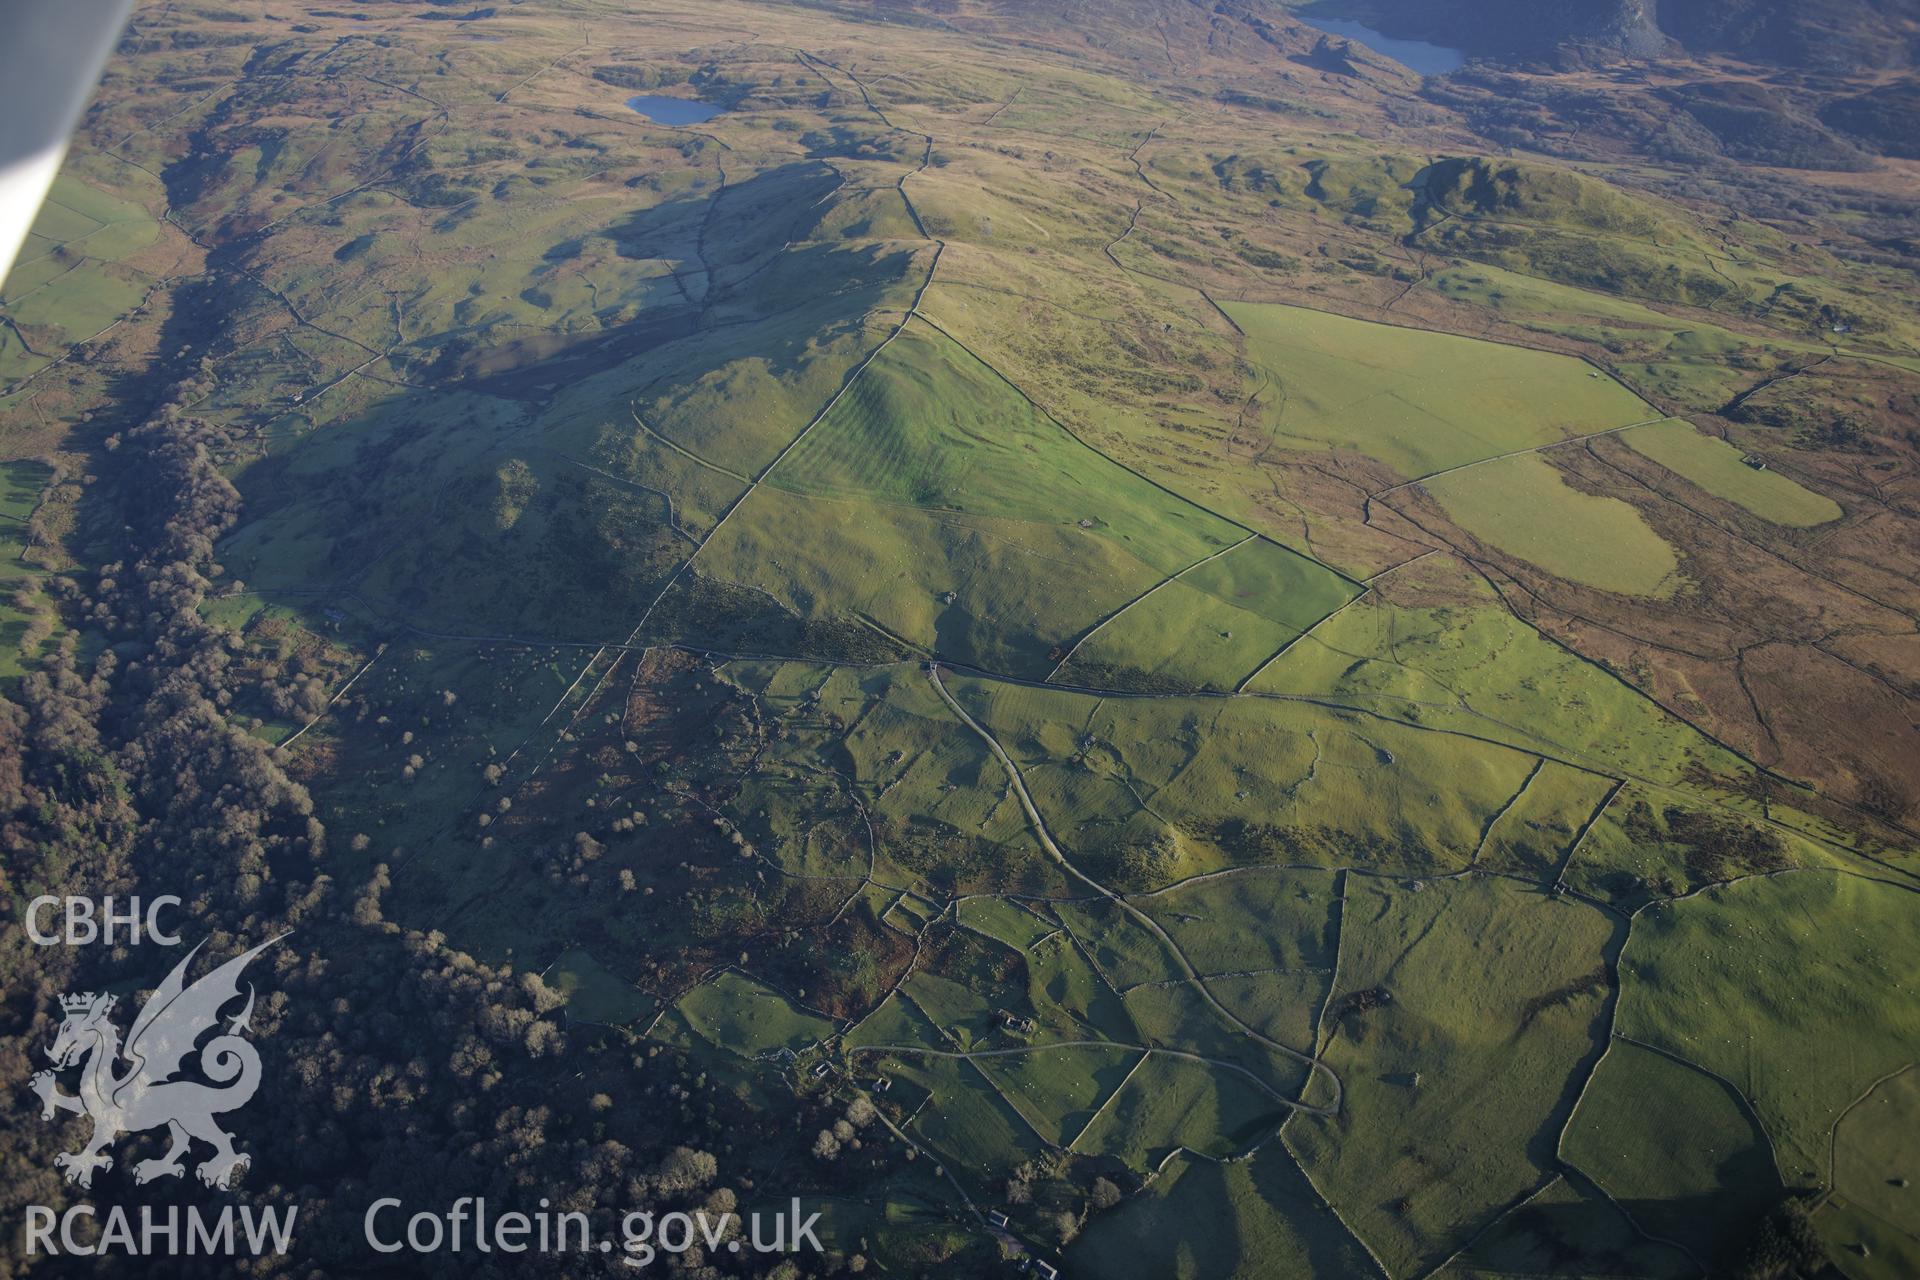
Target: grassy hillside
1104,614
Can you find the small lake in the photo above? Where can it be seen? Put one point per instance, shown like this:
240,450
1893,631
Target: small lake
1415,55
674,111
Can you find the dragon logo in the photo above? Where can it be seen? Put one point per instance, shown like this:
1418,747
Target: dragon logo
145,1095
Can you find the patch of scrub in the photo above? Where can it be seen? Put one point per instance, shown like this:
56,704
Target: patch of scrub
1525,507
1725,472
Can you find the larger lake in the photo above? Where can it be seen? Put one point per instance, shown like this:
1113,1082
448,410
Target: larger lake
674,111
1415,55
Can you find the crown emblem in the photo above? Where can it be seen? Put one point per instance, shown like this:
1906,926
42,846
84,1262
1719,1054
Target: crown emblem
169,1030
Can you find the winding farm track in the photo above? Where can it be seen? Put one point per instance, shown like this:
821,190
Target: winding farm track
1140,917
607,658
1311,1059
1553,752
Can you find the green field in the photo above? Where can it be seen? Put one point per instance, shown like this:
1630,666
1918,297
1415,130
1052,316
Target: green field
739,399
933,789
1172,1103
936,504
966,1018
1071,1000
1175,1014
1689,365
1665,1140
1008,922
747,1018
1570,1220
1874,1158
1424,663
1488,997
930,426
1200,1220
1721,470
1058,1090
69,282
1204,783
1824,971
1113,941
1864,1246
1525,507
21,484
966,1119
1418,401
1094,1098
1269,919
1281,1005
1534,835
569,553
1212,626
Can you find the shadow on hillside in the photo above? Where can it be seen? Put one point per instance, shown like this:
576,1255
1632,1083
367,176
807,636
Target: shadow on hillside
751,251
